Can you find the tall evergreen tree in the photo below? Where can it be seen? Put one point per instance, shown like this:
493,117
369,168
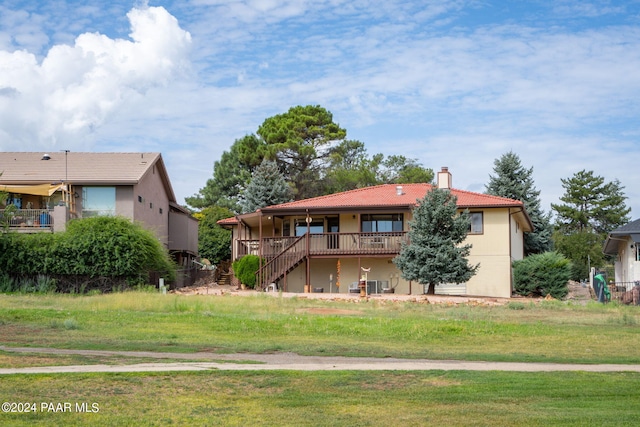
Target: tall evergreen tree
312,153
300,140
267,187
591,204
591,208
434,254
514,181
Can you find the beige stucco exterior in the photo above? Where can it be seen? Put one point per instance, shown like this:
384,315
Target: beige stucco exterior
500,242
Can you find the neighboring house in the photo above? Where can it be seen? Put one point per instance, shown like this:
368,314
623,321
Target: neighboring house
314,243
624,243
49,189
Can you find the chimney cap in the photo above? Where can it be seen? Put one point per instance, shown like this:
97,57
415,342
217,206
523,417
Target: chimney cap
399,191
45,156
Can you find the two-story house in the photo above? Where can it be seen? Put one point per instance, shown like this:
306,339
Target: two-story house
47,190
328,243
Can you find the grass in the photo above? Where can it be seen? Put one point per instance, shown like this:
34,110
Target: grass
549,332
329,398
545,332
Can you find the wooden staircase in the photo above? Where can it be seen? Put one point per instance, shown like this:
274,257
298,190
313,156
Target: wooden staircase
283,263
224,279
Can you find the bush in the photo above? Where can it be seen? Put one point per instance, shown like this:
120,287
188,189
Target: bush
542,274
94,253
108,246
245,269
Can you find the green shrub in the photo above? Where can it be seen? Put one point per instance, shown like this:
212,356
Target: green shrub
245,269
542,274
113,246
99,252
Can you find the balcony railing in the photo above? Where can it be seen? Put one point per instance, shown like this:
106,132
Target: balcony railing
27,220
387,243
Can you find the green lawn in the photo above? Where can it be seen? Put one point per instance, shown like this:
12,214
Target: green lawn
328,399
549,332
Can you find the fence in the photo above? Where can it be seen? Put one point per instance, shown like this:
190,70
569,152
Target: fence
26,218
184,277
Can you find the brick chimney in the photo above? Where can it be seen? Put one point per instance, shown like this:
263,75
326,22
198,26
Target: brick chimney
444,178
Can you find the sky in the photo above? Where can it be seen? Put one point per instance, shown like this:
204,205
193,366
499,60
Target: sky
455,83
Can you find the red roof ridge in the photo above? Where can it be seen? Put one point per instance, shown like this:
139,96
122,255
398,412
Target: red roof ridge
347,192
491,196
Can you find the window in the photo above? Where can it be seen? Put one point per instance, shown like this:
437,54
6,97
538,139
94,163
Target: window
140,199
316,226
98,201
374,223
476,223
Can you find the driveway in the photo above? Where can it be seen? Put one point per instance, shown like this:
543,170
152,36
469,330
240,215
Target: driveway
288,361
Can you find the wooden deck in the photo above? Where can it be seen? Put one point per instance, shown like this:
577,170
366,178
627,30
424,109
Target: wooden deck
327,244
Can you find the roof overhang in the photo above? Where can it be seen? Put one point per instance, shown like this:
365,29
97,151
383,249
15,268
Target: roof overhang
612,243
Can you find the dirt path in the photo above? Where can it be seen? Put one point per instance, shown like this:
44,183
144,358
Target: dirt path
288,361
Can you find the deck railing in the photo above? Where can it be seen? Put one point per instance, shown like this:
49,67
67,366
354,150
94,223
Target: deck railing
386,243
27,220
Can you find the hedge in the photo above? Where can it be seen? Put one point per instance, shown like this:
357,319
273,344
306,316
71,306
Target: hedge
91,250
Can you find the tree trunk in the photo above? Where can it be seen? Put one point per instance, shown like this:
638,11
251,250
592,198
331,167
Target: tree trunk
431,290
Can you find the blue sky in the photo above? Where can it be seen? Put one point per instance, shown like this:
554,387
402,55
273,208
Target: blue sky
451,83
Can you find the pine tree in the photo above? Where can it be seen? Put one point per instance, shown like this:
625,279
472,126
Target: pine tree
591,208
434,254
514,181
591,205
267,187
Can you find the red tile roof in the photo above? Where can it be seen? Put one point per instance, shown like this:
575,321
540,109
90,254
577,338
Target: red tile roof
228,221
387,195
379,197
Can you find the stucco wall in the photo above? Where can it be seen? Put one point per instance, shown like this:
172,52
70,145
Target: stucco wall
494,249
124,201
153,207
627,269
517,240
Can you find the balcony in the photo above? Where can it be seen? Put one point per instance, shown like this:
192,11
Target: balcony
27,220
327,244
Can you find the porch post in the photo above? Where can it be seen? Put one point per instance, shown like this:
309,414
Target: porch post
307,286
260,247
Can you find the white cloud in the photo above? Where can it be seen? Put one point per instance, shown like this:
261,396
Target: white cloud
74,89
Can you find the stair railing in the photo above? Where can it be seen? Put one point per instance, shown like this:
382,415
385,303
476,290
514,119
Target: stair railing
283,262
